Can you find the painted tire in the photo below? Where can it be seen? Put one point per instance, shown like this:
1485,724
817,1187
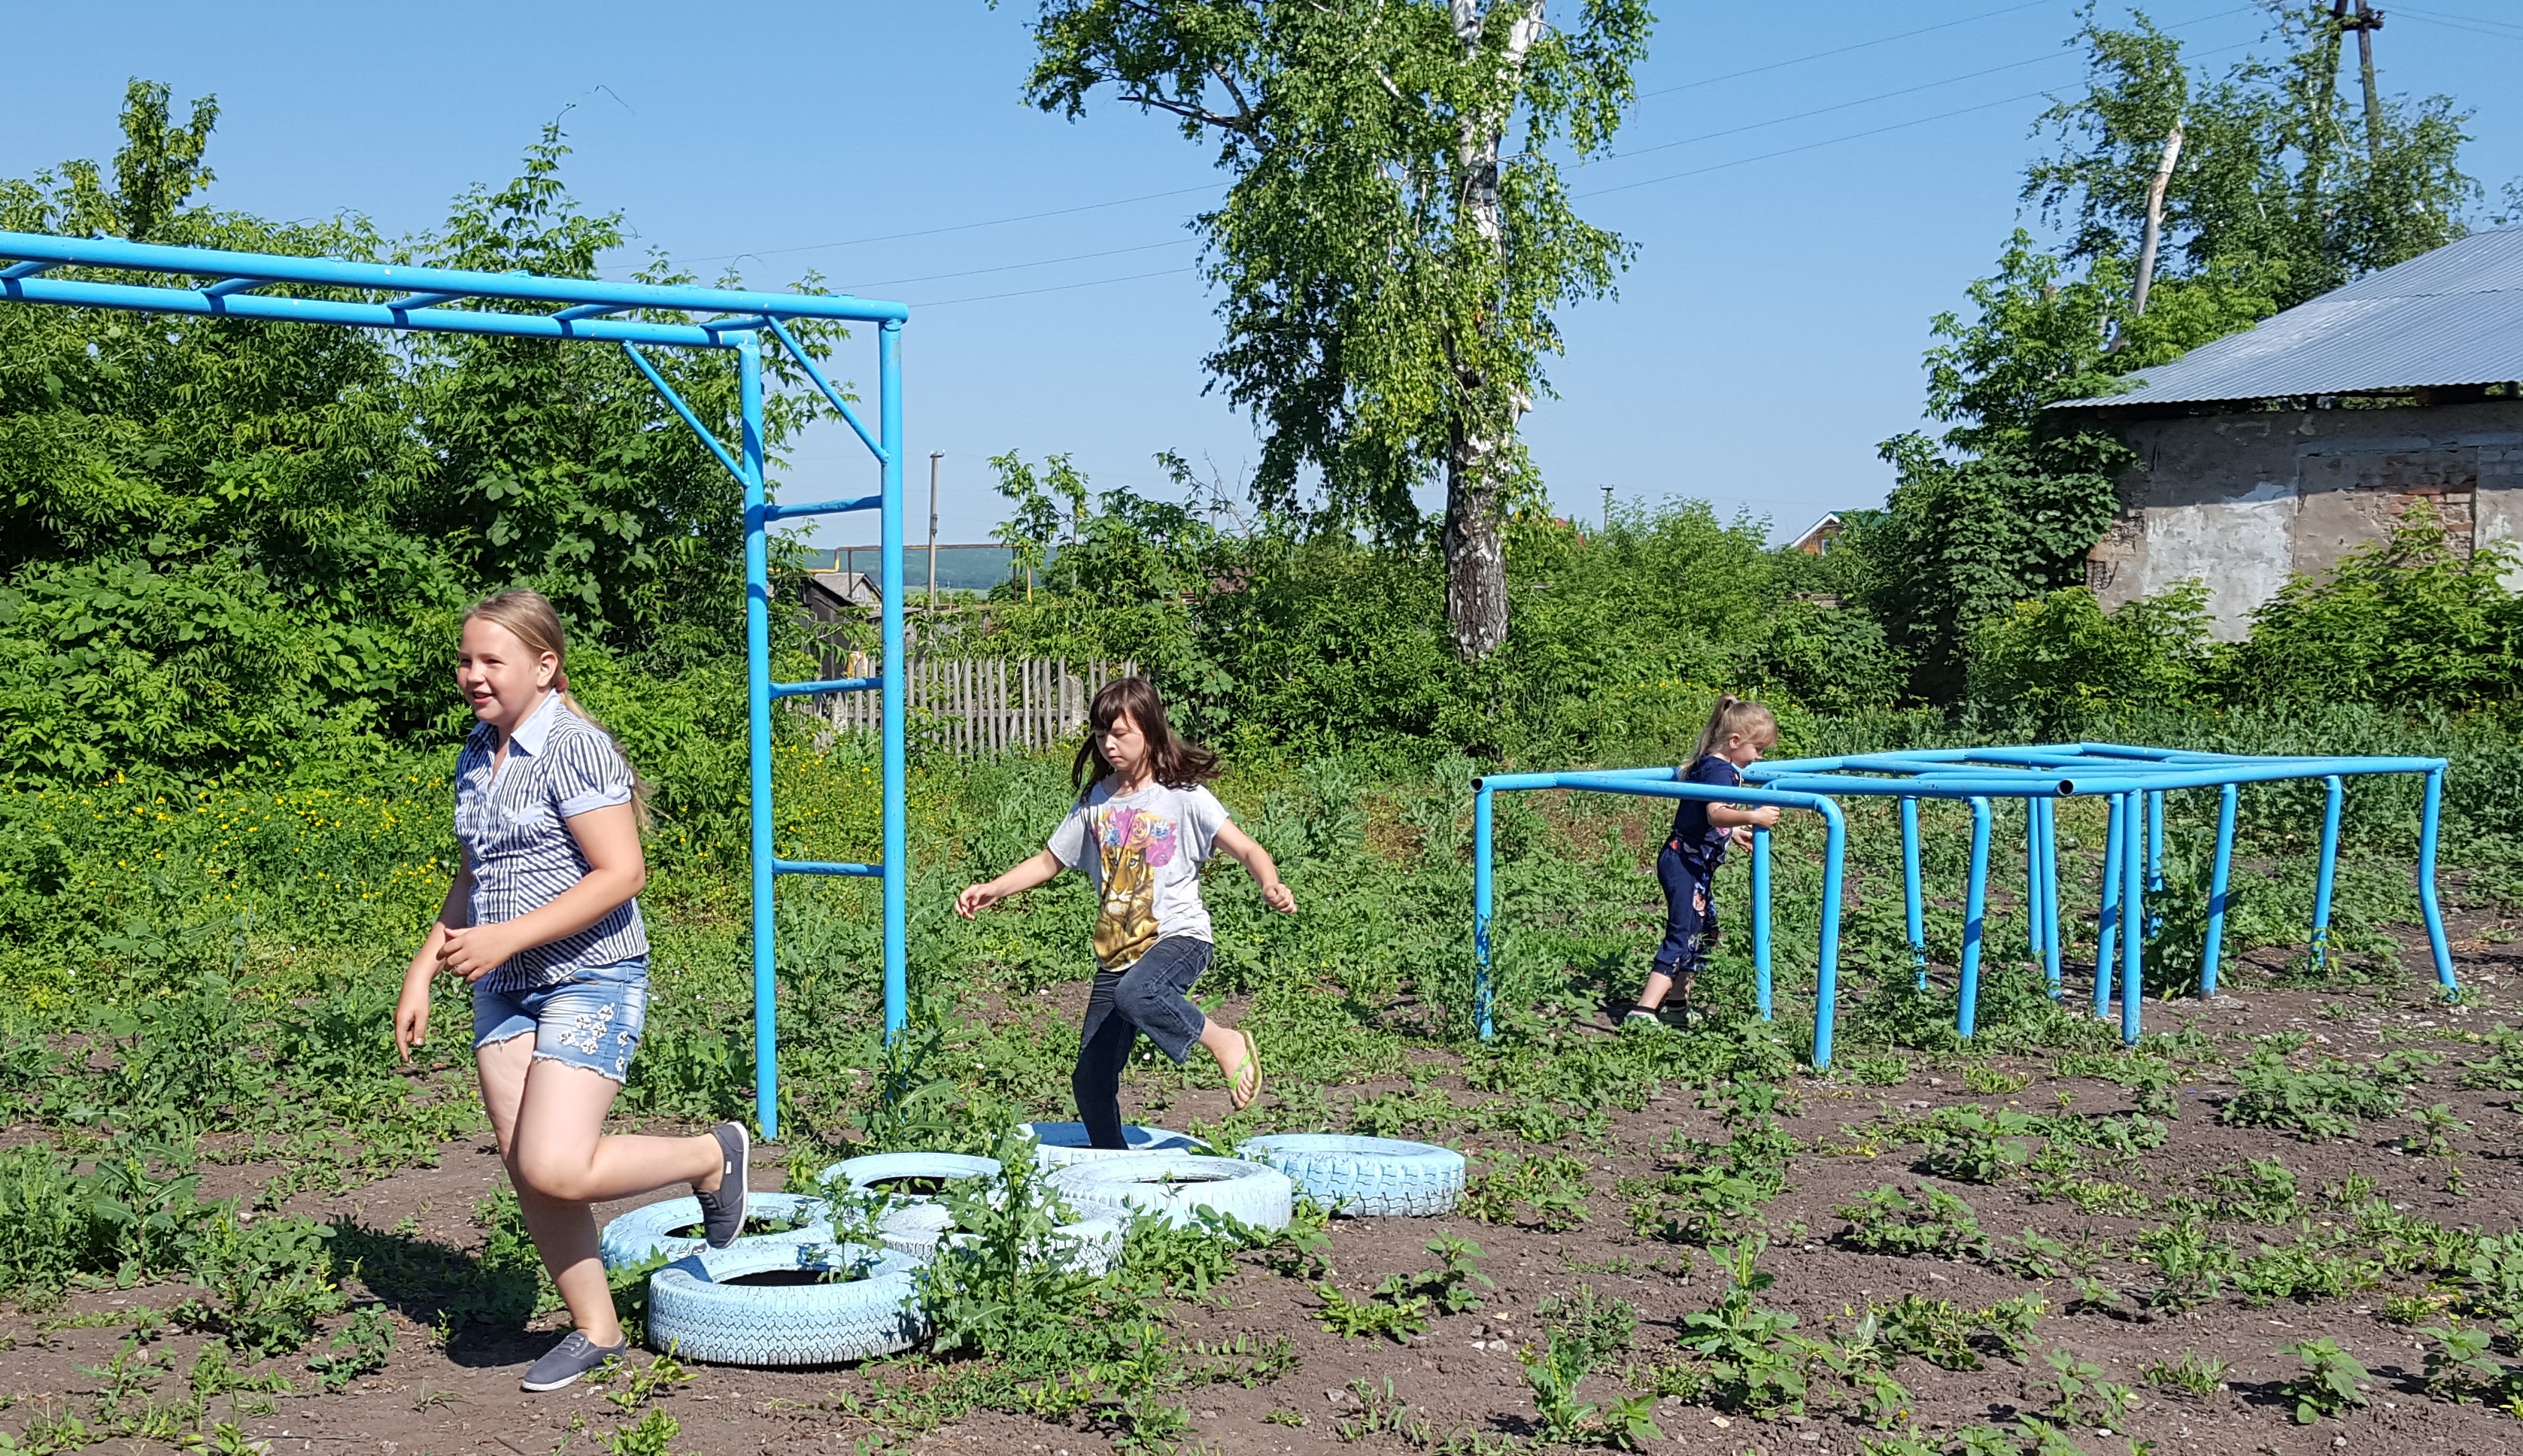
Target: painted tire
1092,1245
877,1167
645,1233
1057,1144
1174,1186
1364,1177
694,1311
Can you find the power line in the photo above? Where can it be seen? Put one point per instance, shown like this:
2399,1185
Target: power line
1044,262
1054,288
931,232
1842,50
2475,25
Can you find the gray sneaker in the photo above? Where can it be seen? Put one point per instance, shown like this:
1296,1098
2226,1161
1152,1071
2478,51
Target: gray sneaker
565,1362
723,1212
1648,1019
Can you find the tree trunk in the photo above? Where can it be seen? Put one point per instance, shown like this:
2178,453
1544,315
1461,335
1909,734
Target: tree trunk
1481,439
2155,189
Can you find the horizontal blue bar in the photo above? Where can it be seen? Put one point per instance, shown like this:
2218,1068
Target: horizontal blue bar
827,867
138,300
777,512
225,287
115,253
828,685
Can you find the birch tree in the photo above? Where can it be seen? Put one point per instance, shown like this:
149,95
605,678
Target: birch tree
1397,240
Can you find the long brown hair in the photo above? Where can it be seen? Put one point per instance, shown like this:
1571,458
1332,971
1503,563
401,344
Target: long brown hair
1172,760
1731,716
526,613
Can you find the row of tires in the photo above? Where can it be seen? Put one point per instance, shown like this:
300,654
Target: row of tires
794,1297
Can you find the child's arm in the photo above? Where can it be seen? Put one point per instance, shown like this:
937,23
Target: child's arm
1256,862
1733,816
1040,870
412,1009
616,872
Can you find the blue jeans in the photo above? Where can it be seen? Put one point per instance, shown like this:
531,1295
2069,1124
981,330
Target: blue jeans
590,1020
1149,996
1689,916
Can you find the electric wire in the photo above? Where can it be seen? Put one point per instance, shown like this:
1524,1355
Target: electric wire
1842,50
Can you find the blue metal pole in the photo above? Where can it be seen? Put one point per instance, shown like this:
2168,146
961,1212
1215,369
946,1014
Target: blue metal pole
2107,923
2219,877
1911,903
2052,952
894,705
2155,856
2427,902
2328,871
1826,967
1481,907
757,704
2031,879
2133,931
1761,920
1975,908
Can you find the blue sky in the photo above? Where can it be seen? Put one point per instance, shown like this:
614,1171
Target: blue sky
1797,224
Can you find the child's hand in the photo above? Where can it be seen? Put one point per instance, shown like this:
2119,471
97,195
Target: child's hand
476,951
1742,836
1763,817
976,899
412,1017
1279,897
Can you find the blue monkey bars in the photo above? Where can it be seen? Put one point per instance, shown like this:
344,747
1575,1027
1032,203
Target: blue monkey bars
2132,779
217,284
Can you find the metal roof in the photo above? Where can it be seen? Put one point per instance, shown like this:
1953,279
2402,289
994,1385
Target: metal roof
2452,316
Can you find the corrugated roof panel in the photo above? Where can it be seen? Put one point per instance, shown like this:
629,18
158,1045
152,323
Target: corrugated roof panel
2453,316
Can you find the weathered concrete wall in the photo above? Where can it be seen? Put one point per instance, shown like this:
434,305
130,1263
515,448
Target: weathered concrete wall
2243,502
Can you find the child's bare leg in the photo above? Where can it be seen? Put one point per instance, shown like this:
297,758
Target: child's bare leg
1226,1043
1658,986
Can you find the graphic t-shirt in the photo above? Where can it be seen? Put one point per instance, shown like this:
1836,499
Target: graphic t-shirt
1701,844
1143,852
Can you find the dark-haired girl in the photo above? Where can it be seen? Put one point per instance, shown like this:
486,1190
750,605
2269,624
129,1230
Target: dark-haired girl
1143,824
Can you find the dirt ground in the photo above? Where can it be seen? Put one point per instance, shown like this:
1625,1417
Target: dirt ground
1463,1375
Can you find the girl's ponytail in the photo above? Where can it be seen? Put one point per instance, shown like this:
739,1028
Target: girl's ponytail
1732,716
526,613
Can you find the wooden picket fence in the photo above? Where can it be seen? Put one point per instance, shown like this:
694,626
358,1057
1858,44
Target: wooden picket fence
980,705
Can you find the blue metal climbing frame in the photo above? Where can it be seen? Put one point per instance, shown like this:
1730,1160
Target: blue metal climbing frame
101,273
2134,782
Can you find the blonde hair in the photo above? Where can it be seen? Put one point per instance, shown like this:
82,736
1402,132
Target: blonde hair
530,616
1732,716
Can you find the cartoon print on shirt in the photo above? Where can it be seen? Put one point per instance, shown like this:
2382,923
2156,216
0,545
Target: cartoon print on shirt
1131,846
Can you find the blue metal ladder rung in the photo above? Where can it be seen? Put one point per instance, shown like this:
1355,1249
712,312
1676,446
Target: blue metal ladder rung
827,867
776,512
826,685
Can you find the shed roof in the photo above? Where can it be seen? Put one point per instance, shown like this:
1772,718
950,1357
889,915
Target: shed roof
2452,316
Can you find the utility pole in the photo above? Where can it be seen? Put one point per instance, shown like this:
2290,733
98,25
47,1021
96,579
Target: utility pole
2367,21
2155,189
1607,510
933,457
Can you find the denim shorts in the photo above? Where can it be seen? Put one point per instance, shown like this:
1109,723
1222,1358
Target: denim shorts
590,1020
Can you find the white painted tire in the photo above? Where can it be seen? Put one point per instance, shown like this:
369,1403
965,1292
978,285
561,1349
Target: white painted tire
1057,1144
1175,1185
648,1232
1092,1245
697,1312
1364,1177
874,1168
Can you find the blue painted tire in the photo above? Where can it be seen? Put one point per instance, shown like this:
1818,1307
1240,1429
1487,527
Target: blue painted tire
867,1171
1175,1185
1364,1177
1057,1144
648,1232
1092,1245
697,1313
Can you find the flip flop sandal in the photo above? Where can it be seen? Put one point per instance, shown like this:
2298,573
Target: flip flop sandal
1236,1097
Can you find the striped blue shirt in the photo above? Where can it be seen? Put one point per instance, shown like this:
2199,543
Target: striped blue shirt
512,825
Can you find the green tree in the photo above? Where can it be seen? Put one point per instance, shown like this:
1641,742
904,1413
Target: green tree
2263,207
1392,268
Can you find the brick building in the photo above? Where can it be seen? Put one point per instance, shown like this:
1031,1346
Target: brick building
2276,451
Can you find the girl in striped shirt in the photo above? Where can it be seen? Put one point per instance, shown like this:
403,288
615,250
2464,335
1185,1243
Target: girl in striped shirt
543,922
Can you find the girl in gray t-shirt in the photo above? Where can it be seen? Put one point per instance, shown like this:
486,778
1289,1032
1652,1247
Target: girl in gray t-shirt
1143,824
